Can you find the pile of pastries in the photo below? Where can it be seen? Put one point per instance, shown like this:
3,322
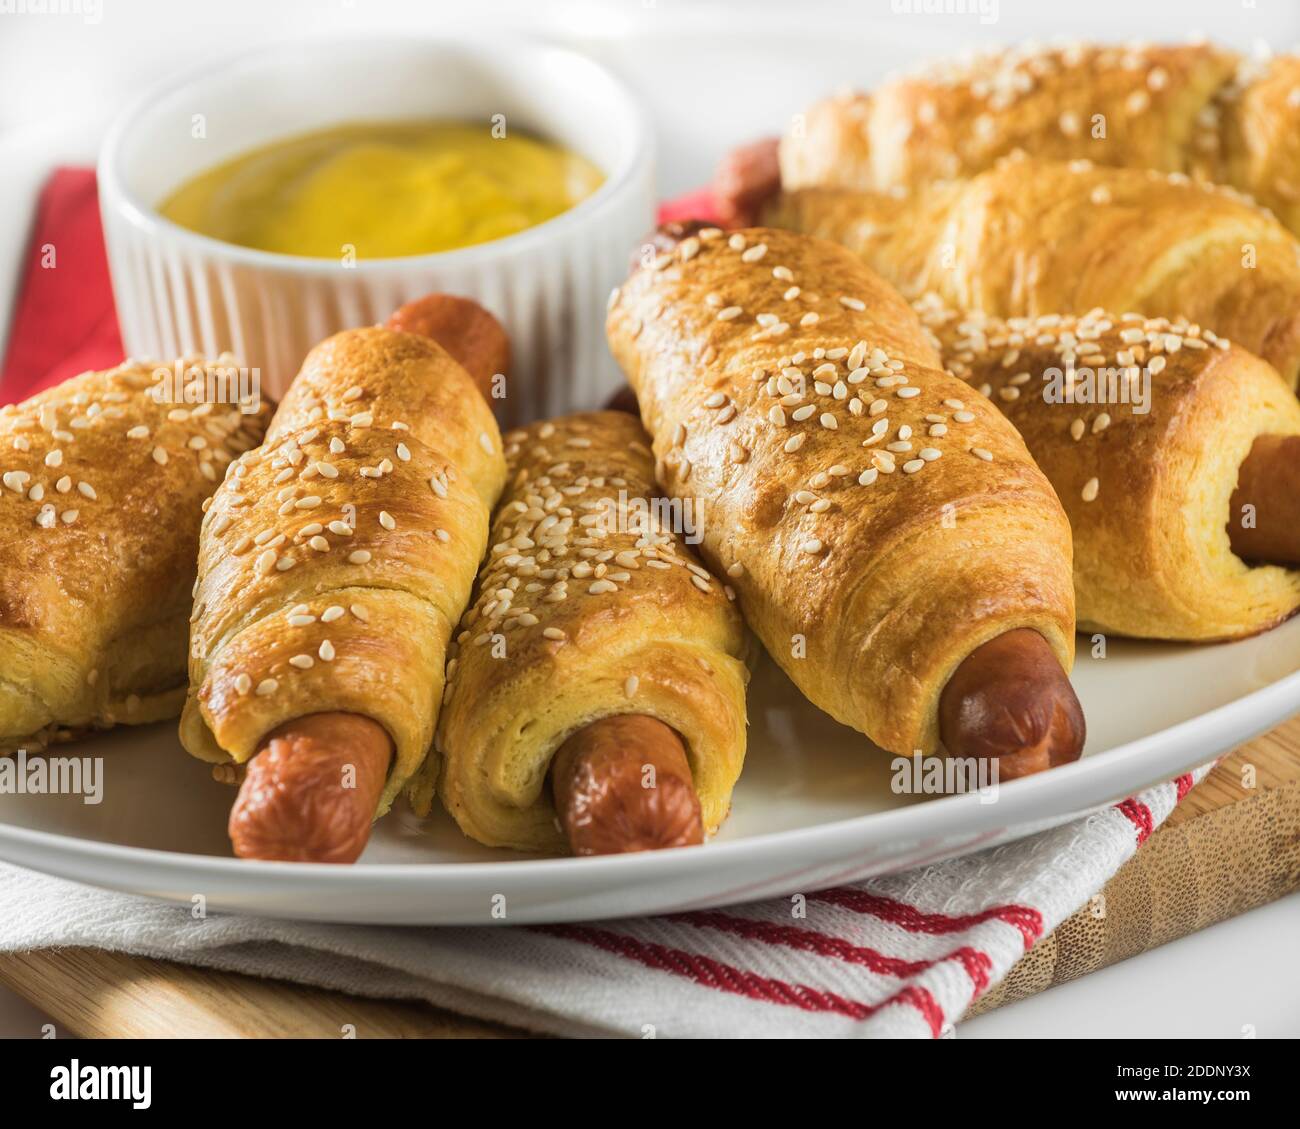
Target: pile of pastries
963,376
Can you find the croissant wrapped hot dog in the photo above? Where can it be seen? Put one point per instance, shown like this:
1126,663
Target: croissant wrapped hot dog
334,563
596,648
1029,238
1144,426
102,480
1193,108
890,538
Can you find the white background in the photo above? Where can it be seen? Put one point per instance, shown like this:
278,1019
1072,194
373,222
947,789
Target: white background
713,73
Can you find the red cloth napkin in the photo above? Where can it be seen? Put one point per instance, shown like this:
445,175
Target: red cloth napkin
65,321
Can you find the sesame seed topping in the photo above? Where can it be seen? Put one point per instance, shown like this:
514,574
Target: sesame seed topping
1090,489
267,686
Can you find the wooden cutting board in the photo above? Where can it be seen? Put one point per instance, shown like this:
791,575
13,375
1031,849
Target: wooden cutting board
1231,845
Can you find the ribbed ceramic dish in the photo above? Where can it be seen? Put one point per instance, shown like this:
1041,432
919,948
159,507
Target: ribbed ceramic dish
179,292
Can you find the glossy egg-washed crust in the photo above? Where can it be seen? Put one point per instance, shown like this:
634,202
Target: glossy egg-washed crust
869,573
1030,237
1190,108
100,503
335,560
1147,491
590,605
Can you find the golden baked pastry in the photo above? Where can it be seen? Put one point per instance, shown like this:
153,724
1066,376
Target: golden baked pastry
1031,237
101,484
879,521
589,606
1141,425
336,559
1190,108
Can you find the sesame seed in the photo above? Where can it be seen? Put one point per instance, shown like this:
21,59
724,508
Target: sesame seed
386,520
138,432
1090,489
829,421
729,312
302,662
868,476
907,393
360,612
913,465
87,491
442,535
359,557
601,586
243,684
736,242
852,303
1101,422
553,633
963,416
629,686
326,651
982,453
1077,428
812,546
340,528
69,516
753,254
159,456
54,458
301,620
330,614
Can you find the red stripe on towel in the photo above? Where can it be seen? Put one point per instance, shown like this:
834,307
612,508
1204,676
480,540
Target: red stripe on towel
976,963
1028,920
710,973
1139,815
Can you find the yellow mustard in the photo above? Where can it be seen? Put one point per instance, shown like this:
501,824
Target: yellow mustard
373,190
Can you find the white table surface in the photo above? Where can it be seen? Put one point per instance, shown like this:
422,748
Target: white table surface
714,72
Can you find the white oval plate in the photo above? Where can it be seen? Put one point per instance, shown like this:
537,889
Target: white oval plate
814,808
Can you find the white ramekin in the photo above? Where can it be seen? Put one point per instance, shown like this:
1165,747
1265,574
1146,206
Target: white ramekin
179,292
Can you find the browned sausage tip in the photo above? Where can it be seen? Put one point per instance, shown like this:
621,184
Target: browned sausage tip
1009,701
607,800
1268,482
311,790
745,179
465,329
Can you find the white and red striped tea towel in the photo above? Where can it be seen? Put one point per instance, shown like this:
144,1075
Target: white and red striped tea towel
898,956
